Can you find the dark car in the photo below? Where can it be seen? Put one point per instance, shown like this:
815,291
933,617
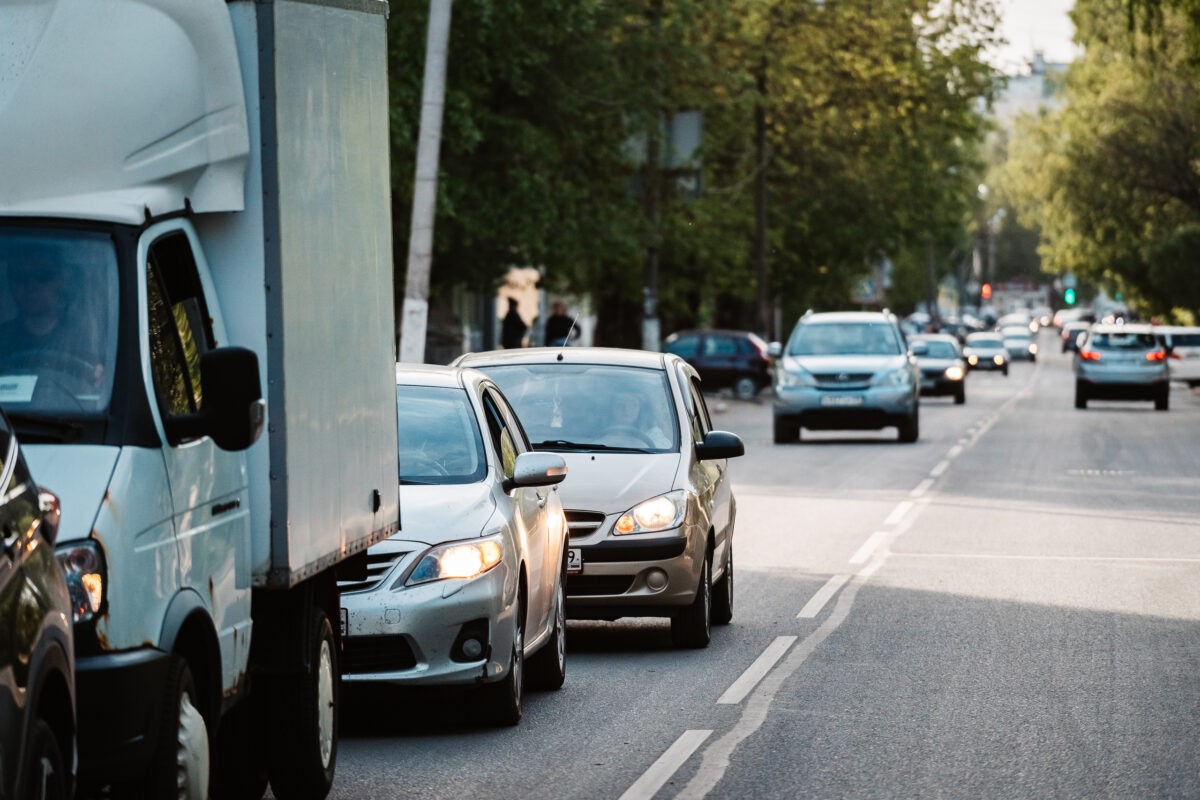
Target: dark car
37,663
737,360
943,369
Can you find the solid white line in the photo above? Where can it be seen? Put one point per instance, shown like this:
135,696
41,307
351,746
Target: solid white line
661,771
941,467
818,601
755,672
868,547
1012,557
922,488
898,513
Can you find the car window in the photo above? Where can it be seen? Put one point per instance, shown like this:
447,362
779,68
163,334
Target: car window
720,346
940,349
502,435
987,341
684,346
845,338
1123,341
439,438
703,422
607,405
179,325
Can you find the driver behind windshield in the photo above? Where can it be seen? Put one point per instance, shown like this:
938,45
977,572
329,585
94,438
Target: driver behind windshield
628,428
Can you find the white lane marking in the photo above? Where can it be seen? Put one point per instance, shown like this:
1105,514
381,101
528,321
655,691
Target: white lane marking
868,547
954,452
941,467
738,690
661,771
922,488
818,601
1015,557
898,513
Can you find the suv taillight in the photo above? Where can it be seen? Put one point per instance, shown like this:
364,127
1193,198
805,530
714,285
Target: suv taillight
1089,355
1156,355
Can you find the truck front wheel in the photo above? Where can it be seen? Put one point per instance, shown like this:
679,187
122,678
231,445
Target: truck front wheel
179,766
304,742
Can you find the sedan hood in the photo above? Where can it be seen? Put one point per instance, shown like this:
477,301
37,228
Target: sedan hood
79,475
436,514
615,482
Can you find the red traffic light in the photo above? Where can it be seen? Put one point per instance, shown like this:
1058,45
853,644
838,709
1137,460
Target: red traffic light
985,291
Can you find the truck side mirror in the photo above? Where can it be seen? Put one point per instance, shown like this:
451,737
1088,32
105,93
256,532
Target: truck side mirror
234,411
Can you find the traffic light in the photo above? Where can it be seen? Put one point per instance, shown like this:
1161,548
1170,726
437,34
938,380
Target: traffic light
1069,296
985,291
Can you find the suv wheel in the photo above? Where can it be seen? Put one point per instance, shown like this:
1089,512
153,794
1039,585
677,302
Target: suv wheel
786,432
909,428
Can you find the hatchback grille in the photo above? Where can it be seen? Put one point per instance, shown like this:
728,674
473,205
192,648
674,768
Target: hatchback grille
376,654
586,585
583,523
378,565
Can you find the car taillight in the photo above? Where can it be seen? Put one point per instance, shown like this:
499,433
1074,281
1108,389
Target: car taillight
1089,355
1156,355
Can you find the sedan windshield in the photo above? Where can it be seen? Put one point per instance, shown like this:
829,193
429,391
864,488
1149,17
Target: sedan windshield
439,437
591,406
58,321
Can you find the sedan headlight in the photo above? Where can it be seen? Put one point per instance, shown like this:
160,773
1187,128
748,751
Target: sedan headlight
999,360
1033,349
954,373
972,359
457,560
657,514
893,377
83,563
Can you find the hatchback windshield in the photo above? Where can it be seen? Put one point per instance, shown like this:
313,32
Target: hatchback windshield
58,320
439,437
591,406
941,350
844,338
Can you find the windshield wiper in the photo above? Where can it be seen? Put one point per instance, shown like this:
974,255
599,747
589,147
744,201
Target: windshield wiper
564,444
33,428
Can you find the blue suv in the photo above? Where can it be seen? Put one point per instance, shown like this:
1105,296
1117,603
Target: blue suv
846,370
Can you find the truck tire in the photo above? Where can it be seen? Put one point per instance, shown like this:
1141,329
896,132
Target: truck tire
305,717
504,702
692,627
722,602
547,668
45,771
179,765
241,770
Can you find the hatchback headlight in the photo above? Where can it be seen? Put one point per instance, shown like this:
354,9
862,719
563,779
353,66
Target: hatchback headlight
83,563
656,514
954,373
457,560
893,377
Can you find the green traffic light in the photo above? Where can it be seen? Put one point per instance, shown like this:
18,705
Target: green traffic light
1069,297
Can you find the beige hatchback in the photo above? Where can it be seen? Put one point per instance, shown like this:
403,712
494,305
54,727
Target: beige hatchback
649,504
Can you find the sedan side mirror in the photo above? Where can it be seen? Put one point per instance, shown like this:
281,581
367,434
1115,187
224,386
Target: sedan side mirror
720,444
537,469
774,349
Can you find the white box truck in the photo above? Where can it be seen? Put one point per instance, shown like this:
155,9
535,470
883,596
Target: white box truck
197,345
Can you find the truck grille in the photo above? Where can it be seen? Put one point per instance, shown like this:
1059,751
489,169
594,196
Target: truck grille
378,566
583,523
376,654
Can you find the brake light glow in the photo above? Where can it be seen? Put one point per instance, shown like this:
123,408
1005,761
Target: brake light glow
1089,355
1156,355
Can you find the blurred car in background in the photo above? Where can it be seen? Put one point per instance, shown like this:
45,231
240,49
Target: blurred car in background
471,591
37,659
986,350
736,360
1018,319
1122,362
1019,342
943,369
650,502
846,370
1183,353
1070,333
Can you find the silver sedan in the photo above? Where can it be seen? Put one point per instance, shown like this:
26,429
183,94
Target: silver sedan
472,585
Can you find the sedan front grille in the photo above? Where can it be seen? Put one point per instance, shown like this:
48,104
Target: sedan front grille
583,523
378,566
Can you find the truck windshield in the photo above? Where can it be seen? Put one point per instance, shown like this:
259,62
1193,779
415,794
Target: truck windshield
58,320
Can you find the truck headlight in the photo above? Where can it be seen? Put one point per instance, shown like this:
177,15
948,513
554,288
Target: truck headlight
83,563
656,514
457,560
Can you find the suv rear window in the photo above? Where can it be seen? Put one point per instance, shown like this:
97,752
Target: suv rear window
1123,341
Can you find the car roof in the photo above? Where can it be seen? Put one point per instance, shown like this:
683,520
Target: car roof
981,335
616,356
721,331
824,317
933,337
1123,327
408,374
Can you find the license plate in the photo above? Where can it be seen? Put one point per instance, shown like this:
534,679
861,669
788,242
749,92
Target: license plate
574,561
841,400
345,621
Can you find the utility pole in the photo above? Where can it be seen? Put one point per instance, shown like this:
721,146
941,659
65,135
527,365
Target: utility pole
760,204
415,316
652,188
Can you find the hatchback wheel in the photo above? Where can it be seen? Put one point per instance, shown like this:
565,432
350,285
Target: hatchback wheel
746,388
722,602
692,627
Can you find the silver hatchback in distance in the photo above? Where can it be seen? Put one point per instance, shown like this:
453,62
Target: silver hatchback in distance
649,504
846,370
1122,362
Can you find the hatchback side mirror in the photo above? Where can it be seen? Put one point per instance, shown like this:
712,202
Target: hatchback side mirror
720,444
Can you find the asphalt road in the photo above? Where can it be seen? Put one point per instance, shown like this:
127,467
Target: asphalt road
1009,607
